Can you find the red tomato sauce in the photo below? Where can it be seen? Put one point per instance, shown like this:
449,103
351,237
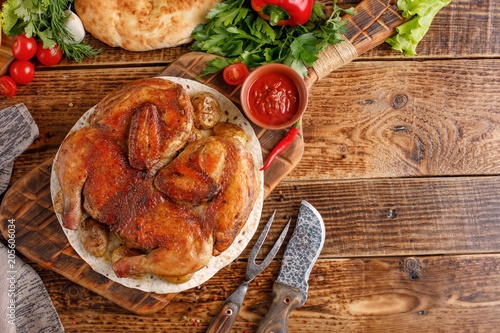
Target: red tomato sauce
273,98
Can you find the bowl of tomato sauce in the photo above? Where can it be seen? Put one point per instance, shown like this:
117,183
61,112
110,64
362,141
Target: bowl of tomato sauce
274,96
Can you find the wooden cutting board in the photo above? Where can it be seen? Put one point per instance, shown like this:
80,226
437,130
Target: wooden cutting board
6,57
28,202
40,238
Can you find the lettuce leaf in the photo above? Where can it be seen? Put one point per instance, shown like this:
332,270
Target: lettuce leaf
410,33
9,17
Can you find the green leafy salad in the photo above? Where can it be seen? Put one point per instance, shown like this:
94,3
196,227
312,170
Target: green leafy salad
236,32
420,14
44,19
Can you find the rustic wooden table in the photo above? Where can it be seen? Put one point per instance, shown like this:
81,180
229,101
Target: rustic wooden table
401,159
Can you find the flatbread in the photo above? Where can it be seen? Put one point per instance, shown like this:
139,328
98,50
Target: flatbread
151,283
141,25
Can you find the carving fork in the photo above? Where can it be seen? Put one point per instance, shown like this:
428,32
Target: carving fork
228,312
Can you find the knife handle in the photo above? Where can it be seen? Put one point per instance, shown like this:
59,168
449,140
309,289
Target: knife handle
285,300
228,312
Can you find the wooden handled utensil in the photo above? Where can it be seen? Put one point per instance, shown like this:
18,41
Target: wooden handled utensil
225,318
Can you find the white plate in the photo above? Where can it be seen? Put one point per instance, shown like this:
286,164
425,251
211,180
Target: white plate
151,283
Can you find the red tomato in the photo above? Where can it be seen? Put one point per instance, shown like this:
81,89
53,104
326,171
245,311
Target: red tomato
24,48
22,71
235,74
8,86
48,57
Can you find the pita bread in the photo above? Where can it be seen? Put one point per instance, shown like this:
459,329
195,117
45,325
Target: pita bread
141,25
152,283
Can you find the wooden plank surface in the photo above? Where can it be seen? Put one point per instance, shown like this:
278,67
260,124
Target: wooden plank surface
401,158
462,29
58,106
391,294
363,130
401,216
381,121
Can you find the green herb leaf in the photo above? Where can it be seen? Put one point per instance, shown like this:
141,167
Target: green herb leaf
304,48
215,65
317,13
262,28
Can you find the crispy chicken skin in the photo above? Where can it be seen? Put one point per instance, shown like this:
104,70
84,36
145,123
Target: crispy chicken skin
215,176
133,170
117,140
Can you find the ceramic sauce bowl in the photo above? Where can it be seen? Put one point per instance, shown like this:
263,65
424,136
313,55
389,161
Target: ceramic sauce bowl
274,96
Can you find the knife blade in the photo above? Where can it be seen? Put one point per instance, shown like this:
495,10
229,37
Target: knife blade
290,289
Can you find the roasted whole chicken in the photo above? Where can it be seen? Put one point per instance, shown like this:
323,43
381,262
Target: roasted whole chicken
174,199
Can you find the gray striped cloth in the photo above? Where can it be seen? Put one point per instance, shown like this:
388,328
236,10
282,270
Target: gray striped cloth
25,305
17,132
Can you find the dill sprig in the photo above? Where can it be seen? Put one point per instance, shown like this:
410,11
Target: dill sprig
44,19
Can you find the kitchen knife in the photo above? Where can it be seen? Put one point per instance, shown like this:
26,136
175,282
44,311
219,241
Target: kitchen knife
290,288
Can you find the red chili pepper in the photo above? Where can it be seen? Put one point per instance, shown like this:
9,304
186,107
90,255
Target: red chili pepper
284,12
285,142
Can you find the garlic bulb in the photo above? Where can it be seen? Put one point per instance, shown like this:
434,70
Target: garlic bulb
74,26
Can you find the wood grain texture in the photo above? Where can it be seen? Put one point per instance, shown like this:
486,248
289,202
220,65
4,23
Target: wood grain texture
362,130
381,121
56,101
394,294
400,216
374,22
6,56
389,219
455,33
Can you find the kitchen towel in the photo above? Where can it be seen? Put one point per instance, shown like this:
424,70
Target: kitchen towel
25,305
17,132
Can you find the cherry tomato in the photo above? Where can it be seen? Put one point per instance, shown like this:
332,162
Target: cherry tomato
8,86
235,74
49,57
22,71
24,48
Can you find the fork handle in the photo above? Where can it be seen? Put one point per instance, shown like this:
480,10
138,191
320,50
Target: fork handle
225,318
228,312
285,300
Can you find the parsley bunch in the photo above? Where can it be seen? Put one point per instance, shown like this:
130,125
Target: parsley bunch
45,20
236,32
